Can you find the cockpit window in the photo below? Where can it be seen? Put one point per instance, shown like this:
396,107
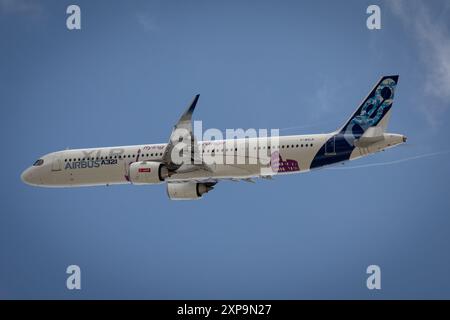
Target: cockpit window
39,162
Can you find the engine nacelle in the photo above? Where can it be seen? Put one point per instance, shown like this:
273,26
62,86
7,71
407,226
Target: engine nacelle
188,190
147,172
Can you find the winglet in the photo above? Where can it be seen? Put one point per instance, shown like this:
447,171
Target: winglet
187,115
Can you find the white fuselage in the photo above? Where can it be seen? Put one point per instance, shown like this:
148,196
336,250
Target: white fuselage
107,166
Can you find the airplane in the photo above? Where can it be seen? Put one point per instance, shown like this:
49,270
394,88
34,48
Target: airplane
188,176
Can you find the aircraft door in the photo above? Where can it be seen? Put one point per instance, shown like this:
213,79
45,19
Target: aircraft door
56,163
330,147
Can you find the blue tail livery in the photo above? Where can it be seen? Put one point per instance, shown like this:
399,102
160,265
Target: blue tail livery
372,111
367,124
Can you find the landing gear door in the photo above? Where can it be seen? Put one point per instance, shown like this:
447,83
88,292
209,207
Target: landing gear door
56,163
330,147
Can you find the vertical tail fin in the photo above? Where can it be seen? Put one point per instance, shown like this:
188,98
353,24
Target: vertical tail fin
374,111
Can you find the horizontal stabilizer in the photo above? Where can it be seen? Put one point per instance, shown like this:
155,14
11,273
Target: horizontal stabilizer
371,135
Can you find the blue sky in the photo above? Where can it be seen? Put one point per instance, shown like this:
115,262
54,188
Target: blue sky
126,77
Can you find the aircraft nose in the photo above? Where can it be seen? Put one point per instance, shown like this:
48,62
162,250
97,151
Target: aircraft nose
405,138
27,177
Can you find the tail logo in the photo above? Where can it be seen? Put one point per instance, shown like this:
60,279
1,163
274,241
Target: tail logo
372,111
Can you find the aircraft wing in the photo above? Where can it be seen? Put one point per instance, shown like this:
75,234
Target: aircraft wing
182,131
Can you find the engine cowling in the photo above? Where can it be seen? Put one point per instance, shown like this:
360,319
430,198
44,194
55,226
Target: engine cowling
147,172
188,190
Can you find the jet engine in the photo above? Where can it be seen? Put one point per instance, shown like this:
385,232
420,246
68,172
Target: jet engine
147,172
188,190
